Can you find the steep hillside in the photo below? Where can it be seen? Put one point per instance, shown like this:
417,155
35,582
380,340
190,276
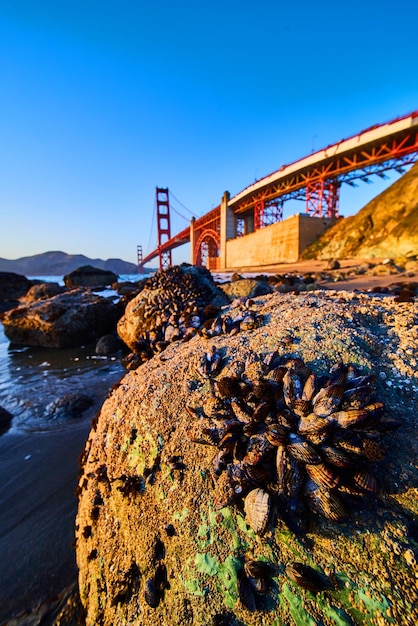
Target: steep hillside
60,263
386,227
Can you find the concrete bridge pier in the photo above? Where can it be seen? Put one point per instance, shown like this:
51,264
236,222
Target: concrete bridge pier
192,241
227,229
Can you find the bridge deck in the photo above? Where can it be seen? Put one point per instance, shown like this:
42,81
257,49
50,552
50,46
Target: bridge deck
376,144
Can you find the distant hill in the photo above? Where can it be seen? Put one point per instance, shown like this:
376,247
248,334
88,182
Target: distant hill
60,263
386,227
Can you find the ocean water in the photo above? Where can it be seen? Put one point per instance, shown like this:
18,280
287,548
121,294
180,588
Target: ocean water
33,378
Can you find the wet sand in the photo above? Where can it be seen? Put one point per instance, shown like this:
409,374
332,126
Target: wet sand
38,477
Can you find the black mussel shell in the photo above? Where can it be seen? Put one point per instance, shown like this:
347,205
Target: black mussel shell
366,481
307,577
160,578
245,591
310,388
289,474
229,386
292,387
325,503
302,407
151,594
327,400
259,569
358,397
257,507
338,374
335,456
261,412
159,549
302,451
323,475
276,434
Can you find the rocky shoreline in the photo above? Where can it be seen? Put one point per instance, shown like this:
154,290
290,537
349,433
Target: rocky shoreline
372,325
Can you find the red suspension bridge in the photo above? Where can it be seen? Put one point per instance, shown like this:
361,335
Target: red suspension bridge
315,179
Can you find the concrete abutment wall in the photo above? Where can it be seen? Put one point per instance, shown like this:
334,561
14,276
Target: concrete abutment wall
282,242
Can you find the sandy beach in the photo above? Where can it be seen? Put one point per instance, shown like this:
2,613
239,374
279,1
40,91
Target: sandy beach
348,268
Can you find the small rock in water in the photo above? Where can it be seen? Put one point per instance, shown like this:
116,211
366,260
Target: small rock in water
5,420
108,344
70,405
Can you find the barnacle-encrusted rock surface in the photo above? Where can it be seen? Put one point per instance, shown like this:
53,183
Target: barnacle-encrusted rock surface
153,547
170,307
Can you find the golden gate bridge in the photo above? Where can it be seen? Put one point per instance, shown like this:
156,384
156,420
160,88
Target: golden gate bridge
315,179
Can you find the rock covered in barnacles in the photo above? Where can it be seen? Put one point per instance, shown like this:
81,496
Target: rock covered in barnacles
246,288
206,547
170,307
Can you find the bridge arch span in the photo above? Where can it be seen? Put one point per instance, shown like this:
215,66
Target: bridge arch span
207,247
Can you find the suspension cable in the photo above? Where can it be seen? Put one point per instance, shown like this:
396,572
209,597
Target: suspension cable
181,204
151,234
178,213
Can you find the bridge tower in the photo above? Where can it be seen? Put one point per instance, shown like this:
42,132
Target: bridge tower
140,259
163,224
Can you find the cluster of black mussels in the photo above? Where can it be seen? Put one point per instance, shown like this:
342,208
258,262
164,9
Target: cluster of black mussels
292,442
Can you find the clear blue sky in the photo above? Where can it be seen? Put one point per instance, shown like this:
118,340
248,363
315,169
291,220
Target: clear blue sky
102,101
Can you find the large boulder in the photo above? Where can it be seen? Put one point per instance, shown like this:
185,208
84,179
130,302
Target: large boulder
165,533
246,288
42,291
66,320
89,276
170,307
12,287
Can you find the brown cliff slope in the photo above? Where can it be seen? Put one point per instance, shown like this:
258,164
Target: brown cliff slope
386,226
